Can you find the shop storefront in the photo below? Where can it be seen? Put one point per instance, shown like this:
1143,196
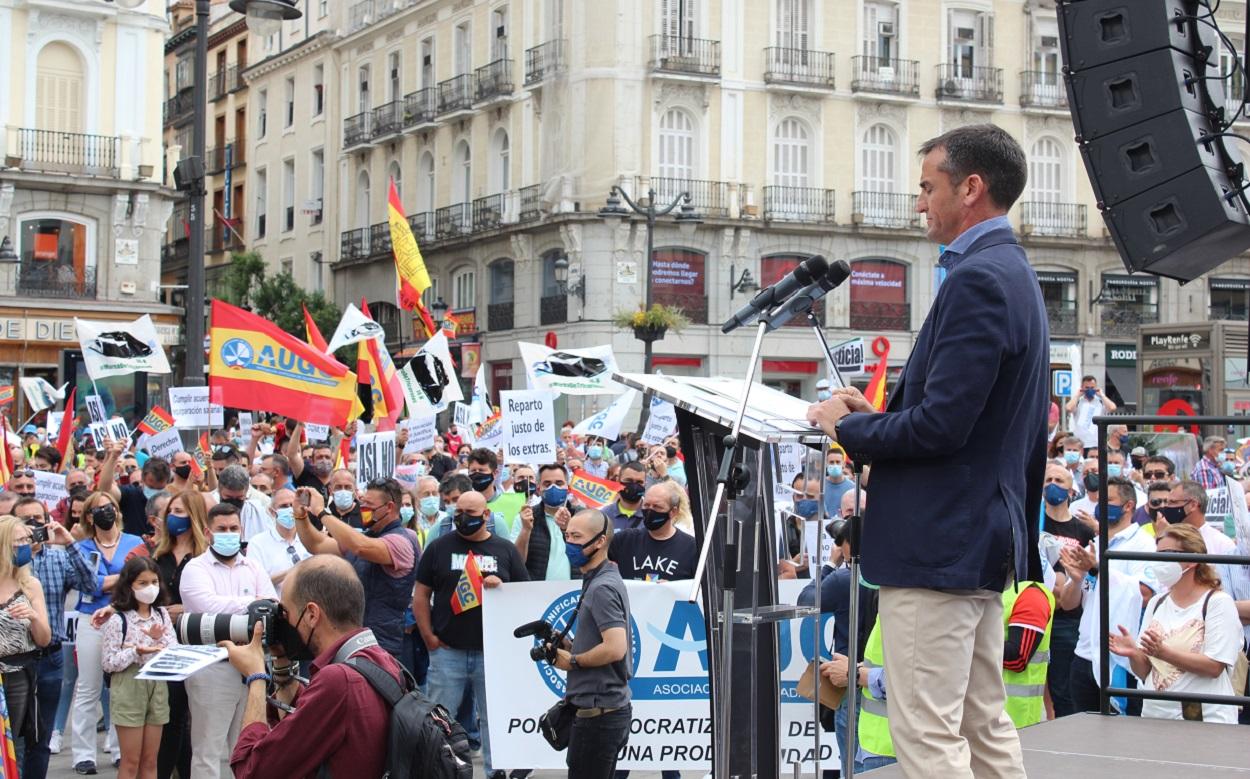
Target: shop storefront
1198,368
1121,384
1064,356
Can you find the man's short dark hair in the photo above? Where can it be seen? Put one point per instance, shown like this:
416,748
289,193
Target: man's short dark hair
1159,459
157,468
281,463
454,482
222,510
1124,489
150,508
1089,377
49,454
1159,486
392,489
552,467
990,152
31,502
484,456
632,466
235,477
340,595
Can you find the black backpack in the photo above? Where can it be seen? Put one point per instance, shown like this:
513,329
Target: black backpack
425,741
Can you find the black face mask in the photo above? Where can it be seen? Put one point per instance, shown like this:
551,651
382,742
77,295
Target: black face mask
670,451
654,520
1092,482
236,502
633,491
182,471
467,524
104,518
481,481
523,485
294,647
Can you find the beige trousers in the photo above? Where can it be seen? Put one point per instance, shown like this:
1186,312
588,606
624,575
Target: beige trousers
944,684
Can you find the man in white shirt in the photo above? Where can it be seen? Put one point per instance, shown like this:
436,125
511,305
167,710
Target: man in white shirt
1187,504
1086,405
279,548
234,487
220,581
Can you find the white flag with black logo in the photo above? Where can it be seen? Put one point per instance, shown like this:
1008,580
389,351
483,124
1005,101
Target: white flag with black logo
119,348
40,394
429,380
353,328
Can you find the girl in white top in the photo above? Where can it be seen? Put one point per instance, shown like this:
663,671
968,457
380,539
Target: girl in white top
1190,635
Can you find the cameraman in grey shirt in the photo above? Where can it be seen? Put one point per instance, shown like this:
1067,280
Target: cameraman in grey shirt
598,665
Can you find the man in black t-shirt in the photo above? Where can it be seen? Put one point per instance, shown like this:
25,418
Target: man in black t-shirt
1066,530
455,640
315,474
656,551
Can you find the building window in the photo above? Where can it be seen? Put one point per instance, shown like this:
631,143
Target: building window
1046,214
1127,303
386,314
362,96
319,90
1234,84
60,89
499,172
288,195
499,34
464,288
288,114
288,265
262,191
502,290
676,145
323,8
678,278
553,306
971,39
396,175
262,112
791,154
316,188
56,247
462,174
678,18
464,49
394,75
878,160
793,23
1230,299
881,32
773,269
500,377
1059,296
879,299
362,200
425,184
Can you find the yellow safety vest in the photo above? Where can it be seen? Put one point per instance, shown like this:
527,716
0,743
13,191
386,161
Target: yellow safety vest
1025,689
874,723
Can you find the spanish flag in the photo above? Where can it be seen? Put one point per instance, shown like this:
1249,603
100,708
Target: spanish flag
411,277
158,420
6,395
375,367
468,593
6,454
876,386
255,364
69,421
312,334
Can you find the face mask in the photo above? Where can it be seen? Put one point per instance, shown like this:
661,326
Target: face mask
467,524
1090,393
1228,468
835,473
577,553
670,451
595,452
654,520
226,544
366,517
505,474
429,505
150,492
481,481
286,517
21,555
1092,482
1113,513
182,471
1114,470
295,647
555,495
236,502
343,499
148,594
177,524
806,508
523,485
1055,494
406,513
1071,458
104,518
1175,515
322,469
632,492
823,394
1167,574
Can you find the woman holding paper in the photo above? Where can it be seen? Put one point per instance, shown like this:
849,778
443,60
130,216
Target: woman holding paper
138,630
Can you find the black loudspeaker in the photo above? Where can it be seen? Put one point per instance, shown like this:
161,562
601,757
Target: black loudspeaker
1146,102
189,174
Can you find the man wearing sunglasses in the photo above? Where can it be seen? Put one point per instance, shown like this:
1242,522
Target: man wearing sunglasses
278,549
22,483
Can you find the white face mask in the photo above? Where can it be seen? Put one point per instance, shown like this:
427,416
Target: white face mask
1167,573
148,594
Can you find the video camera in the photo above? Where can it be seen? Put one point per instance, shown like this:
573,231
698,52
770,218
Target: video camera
549,640
208,629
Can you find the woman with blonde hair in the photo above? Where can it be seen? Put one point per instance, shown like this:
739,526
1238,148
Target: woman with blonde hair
679,505
24,627
1190,636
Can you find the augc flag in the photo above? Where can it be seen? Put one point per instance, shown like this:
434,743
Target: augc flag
468,594
255,364
411,276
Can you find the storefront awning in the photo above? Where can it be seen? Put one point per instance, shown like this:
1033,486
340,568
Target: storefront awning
1125,380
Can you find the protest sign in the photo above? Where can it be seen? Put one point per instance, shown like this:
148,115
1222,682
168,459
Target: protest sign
1239,575
165,444
54,424
662,423
462,415
607,423
592,491
409,475
429,379
672,727
95,409
490,435
117,429
317,432
99,434
191,408
245,427
790,460
176,663
375,456
570,371
421,432
849,356
529,434
49,487
120,348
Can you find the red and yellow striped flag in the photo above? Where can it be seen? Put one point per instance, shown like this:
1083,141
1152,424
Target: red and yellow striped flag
6,395
876,387
375,367
411,277
468,593
158,420
312,334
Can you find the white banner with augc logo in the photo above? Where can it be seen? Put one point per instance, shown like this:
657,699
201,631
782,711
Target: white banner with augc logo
671,726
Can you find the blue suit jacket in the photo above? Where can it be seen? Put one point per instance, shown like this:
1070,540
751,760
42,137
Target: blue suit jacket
959,454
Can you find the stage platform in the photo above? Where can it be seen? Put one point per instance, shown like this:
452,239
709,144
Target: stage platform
1091,746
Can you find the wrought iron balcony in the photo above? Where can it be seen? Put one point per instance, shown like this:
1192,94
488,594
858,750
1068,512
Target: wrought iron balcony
1062,317
219,238
354,245
798,204
893,210
798,66
687,56
380,239
494,81
1043,89
388,119
1066,220
453,221
422,226
553,310
455,94
499,316
55,279
53,151
970,84
223,82
710,198
179,108
542,61
530,209
1126,320
493,211
366,12
889,76
419,107
880,316
358,129
219,158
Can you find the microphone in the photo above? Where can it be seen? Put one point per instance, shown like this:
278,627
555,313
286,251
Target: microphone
807,272
803,300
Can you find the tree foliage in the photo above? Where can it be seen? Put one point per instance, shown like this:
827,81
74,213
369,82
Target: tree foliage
276,298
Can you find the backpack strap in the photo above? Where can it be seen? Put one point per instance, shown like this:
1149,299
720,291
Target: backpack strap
1205,601
382,682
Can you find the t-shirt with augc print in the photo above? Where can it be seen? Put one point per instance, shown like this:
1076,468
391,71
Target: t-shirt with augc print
440,568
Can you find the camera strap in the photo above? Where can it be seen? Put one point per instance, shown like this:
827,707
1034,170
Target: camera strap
362,640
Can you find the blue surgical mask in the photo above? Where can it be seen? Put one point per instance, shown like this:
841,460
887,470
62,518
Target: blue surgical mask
150,492
1228,467
806,508
505,474
1055,494
1113,513
177,524
577,552
555,495
343,499
405,513
594,452
823,394
1090,393
1071,458
21,555
430,505
835,472
226,544
1114,470
286,517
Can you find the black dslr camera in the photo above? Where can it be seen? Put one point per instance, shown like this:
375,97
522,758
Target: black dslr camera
208,629
548,640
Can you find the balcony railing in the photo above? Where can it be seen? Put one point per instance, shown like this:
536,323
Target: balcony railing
358,129
1062,316
493,211
388,119
710,198
54,279
1043,89
216,159
1125,321
892,210
880,316
690,56
798,66
798,204
530,209
455,94
419,107
453,221
366,12
891,76
553,310
422,225
354,244
542,61
57,152
179,107
973,84
223,82
1053,219
494,80
218,238
499,316
380,239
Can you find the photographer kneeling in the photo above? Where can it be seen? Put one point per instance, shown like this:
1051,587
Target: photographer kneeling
339,721
598,665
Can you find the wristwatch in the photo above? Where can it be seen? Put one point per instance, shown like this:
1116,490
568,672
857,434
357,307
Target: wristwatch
837,426
573,662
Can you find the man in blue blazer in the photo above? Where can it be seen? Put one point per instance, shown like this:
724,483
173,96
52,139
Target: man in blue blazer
957,464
